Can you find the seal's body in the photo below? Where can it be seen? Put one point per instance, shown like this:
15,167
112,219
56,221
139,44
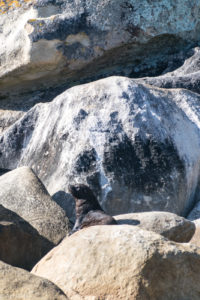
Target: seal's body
88,210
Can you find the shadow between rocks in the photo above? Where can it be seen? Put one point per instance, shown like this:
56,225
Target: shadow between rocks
20,244
4,171
67,203
128,222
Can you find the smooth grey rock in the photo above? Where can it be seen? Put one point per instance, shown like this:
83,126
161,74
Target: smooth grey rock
20,244
22,192
169,225
18,284
136,146
59,41
187,76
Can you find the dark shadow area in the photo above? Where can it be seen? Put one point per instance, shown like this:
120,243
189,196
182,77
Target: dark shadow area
17,100
4,171
20,244
128,222
161,54
67,203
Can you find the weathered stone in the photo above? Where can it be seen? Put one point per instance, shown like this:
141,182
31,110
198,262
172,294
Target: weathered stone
85,39
136,146
20,244
13,108
169,225
187,76
18,284
122,262
23,193
8,117
196,237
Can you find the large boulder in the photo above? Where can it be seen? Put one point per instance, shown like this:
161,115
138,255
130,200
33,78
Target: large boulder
173,227
138,147
122,262
22,192
187,76
20,243
18,284
84,39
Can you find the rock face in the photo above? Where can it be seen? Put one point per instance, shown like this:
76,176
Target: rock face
20,243
187,76
23,193
196,237
136,146
169,225
85,38
18,284
122,262
8,117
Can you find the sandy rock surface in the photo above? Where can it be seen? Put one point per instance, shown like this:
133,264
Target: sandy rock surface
18,284
171,226
122,262
196,237
20,243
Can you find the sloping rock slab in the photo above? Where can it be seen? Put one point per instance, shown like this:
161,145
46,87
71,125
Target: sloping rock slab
18,284
169,225
20,243
22,192
122,262
136,146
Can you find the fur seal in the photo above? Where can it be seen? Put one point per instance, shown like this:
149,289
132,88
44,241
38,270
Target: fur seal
88,210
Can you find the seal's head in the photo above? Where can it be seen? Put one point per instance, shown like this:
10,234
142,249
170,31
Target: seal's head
81,191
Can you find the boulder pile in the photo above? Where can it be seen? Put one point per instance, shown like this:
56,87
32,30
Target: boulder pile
105,95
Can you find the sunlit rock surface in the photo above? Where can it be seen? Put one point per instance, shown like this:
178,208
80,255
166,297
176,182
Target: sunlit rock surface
19,284
122,262
171,226
47,43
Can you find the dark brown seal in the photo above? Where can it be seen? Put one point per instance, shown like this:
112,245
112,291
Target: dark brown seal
88,210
